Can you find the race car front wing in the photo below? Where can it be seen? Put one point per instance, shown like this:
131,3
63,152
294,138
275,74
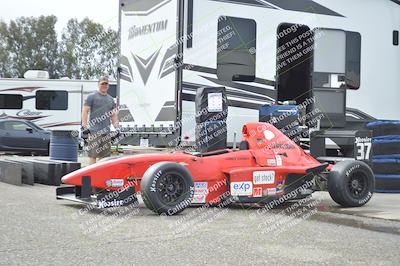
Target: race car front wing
103,199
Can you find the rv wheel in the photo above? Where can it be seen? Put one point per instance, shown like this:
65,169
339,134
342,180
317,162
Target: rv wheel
167,188
351,183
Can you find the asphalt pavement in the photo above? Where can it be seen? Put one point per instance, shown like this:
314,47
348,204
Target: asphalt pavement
37,229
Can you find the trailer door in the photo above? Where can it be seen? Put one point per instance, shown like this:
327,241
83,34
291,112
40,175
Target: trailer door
328,78
147,74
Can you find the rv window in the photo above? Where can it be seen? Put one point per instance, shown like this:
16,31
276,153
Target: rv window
51,100
353,60
11,101
112,90
236,49
396,37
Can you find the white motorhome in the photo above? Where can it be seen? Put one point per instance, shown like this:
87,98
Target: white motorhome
343,54
53,104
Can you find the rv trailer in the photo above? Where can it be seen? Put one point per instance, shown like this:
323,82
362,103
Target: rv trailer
54,104
341,56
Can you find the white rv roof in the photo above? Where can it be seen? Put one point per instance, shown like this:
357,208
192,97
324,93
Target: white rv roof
63,80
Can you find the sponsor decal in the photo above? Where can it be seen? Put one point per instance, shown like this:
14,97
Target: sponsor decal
263,177
241,188
271,191
200,192
115,183
283,146
279,187
271,162
214,102
157,26
107,204
200,186
363,148
198,198
257,192
363,201
278,160
236,158
363,139
348,172
155,179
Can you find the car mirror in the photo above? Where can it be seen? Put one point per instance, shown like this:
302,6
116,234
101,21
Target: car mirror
29,129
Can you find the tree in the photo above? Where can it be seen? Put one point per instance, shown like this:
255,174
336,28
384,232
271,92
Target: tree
30,43
4,53
88,50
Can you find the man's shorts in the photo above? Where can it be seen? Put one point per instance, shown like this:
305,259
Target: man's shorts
99,145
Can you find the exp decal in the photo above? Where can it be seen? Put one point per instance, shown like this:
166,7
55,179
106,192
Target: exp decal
241,188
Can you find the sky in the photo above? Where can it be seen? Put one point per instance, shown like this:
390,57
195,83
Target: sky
104,12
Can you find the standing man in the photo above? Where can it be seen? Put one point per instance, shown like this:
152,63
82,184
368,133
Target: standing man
103,111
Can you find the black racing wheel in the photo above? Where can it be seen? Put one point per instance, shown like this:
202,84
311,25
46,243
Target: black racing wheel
167,188
351,183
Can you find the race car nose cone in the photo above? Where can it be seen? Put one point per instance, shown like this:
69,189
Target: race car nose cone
71,178
65,179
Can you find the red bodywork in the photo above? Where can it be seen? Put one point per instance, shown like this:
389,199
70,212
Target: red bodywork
269,150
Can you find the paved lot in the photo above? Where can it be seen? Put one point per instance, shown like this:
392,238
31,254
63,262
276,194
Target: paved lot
36,229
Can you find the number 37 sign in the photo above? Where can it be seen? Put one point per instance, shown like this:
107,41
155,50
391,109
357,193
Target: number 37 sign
363,145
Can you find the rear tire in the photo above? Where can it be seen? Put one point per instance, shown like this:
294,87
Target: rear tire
351,183
167,188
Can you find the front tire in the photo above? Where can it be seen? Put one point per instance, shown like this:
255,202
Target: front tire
167,188
351,183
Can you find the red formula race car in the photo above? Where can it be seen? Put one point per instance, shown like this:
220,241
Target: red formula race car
268,166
